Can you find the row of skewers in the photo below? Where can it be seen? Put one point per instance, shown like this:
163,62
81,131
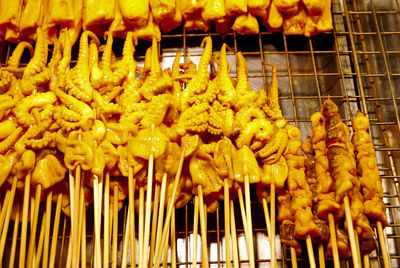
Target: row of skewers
19,19
149,140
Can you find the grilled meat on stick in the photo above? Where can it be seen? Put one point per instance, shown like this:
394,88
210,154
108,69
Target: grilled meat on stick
343,170
367,168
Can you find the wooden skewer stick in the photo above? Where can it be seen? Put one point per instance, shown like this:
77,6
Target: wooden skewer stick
126,240
54,239
321,255
234,237
383,244
310,251
273,224
115,228
227,224
203,227
4,210
83,243
353,244
106,250
154,222
131,185
171,205
160,214
268,223
148,209
243,212
165,249
249,221
97,230
47,233
358,245
366,261
294,257
173,240
38,255
8,208
141,225
73,227
32,238
81,211
335,251
24,227
14,238
78,188
195,230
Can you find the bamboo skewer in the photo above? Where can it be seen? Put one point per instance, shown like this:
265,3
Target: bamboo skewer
173,240
243,213
234,237
310,252
126,240
366,261
383,244
293,256
195,230
47,233
227,224
141,225
249,221
8,209
353,244
321,255
148,209
115,227
76,236
171,205
54,240
4,210
34,225
24,227
154,221
37,256
161,213
97,230
106,238
81,211
273,224
131,185
203,227
335,251
83,243
14,238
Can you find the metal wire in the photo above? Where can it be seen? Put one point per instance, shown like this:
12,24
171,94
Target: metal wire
355,65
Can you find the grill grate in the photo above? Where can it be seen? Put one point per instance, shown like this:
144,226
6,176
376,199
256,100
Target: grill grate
357,65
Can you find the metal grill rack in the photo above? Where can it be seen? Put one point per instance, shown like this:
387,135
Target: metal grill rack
357,65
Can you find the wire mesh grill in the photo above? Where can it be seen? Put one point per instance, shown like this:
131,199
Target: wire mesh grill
357,65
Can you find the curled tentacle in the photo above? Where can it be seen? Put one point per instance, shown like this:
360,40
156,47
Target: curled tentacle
78,79
246,95
228,95
15,58
8,142
198,83
36,65
46,141
22,110
275,111
277,145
